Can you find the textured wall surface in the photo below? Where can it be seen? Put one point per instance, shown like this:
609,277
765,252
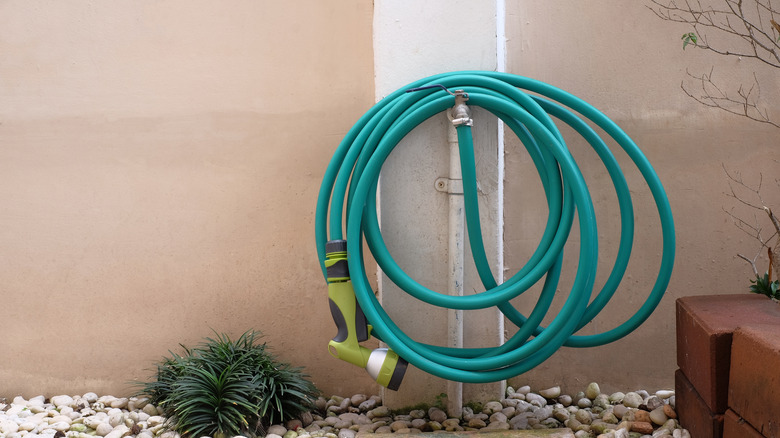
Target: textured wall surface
159,167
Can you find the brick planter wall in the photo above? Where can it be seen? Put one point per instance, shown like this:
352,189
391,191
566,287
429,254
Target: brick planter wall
726,346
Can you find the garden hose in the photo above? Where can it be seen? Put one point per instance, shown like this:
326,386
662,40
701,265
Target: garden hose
349,191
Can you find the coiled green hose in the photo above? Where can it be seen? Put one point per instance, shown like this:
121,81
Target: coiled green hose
351,181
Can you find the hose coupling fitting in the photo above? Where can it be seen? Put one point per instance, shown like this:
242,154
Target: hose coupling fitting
460,114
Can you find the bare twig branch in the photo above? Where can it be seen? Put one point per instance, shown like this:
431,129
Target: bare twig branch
754,228
751,261
745,105
732,29
755,32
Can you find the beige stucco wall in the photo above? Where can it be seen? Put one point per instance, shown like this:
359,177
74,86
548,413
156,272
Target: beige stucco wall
160,161
159,166
622,59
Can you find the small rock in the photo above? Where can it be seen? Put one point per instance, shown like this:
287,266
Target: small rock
498,425
367,405
565,400
637,415
584,403
670,425
653,403
669,411
601,401
8,427
492,407
583,416
395,426
519,422
561,414
294,424
347,433
621,433
616,398
417,414
664,394
60,426
657,416
155,420
26,426
642,427
104,429
507,402
601,427
632,400
116,419
620,410
431,426
610,417
498,417
118,432
523,406
476,423
349,417
450,423
572,424
150,410
523,390
551,393
306,419
381,411
120,403
437,415
592,390
543,413
535,399
61,400
357,399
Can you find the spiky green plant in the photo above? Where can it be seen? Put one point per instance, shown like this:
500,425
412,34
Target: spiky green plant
224,388
762,285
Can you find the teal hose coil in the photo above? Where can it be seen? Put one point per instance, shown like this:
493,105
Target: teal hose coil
346,209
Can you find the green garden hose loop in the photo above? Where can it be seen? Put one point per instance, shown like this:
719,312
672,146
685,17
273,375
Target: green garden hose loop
346,218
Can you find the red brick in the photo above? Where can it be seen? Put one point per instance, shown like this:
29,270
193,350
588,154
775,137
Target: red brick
704,330
692,412
754,381
736,427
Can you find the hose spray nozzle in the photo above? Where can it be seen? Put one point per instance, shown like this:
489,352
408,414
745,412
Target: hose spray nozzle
382,364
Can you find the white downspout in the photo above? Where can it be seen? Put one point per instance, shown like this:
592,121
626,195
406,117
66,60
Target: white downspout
500,162
456,244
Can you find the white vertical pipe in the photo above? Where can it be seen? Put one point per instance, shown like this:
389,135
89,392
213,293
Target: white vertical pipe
500,162
456,250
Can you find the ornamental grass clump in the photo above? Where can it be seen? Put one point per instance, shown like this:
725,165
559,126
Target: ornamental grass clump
224,388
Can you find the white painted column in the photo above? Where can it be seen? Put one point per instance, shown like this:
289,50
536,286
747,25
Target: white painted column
413,40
